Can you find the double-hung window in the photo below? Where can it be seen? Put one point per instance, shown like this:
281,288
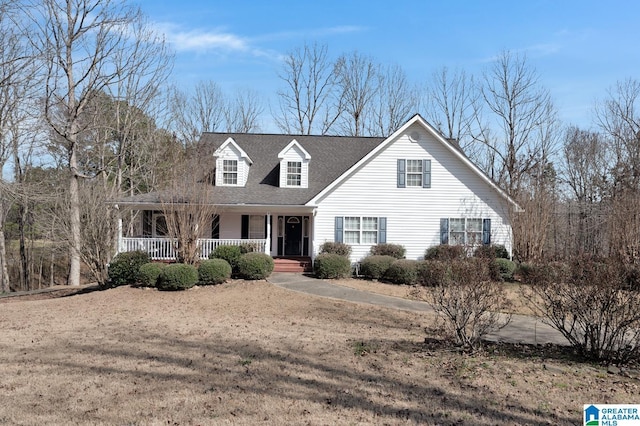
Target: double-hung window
465,231
230,172
256,227
352,230
361,230
294,173
414,173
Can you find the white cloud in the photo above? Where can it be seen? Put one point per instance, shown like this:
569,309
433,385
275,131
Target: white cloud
202,40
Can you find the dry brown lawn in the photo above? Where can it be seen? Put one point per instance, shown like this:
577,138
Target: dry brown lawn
252,353
517,303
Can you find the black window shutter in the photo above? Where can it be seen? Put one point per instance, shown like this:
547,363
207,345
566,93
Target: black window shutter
426,173
486,231
244,232
147,218
338,229
382,230
215,227
401,173
265,224
444,231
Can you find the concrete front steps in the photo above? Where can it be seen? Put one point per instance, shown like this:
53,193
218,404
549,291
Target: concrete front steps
292,264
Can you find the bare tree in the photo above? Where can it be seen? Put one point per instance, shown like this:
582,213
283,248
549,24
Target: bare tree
204,111
188,207
519,113
243,112
16,80
395,102
619,118
77,41
306,103
451,96
357,80
585,172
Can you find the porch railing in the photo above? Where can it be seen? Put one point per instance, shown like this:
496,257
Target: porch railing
164,248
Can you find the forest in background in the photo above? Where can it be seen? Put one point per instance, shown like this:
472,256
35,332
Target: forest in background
89,113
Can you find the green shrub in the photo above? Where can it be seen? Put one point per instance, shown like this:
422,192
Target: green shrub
124,267
394,250
149,273
445,252
229,253
430,272
374,267
402,271
213,271
331,265
178,276
341,249
497,251
255,266
249,247
506,269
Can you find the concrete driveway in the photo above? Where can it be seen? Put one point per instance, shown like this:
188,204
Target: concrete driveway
521,329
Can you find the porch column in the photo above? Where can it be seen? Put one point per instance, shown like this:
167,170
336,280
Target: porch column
119,242
267,244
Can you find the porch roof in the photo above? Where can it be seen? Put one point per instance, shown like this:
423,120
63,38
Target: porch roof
331,156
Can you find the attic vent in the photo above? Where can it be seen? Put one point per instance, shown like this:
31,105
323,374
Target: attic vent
414,136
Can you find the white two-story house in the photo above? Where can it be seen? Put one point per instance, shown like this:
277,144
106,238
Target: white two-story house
288,194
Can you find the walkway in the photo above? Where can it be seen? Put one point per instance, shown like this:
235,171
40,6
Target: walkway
521,329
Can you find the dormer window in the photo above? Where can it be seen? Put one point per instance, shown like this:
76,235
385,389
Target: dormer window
294,173
294,166
232,164
230,172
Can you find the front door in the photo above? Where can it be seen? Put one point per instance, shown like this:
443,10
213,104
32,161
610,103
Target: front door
293,236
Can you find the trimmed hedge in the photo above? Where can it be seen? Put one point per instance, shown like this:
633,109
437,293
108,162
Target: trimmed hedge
402,271
331,265
213,271
341,249
125,267
445,252
255,266
229,253
178,276
149,273
374,267
396,251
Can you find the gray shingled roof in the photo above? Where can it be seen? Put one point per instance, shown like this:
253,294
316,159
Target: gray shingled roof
331,156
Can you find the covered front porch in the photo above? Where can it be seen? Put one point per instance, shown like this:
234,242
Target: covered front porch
282,233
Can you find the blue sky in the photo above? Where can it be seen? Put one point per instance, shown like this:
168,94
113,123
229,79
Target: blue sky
579,49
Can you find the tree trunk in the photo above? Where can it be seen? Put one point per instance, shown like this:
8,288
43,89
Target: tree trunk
4,273
74,212
25,276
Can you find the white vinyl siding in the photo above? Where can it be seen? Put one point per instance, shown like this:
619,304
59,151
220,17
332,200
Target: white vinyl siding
413,217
